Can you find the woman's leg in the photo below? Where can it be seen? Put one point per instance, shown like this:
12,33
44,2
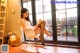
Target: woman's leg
37,31
40,29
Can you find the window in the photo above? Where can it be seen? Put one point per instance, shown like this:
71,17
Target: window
66,16
29,7
60,6
39,16
25,5
60,14
46,5
72,5
72,24
38,4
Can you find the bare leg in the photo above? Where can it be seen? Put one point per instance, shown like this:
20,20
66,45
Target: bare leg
40,29
37,31
42,32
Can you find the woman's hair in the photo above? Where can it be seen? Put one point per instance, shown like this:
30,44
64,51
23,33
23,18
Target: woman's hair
23,10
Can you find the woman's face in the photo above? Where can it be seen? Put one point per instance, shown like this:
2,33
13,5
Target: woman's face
25,15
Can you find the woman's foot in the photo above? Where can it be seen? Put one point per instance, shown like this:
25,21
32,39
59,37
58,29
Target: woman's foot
41,39
42,43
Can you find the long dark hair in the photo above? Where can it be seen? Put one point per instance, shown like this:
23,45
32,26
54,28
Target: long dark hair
23,10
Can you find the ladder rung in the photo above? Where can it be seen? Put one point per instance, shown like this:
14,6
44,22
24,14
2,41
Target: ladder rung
1,38
2,12
1,18
1,24
1,30
3,5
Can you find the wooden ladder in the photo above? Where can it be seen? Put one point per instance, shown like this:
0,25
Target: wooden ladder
3,4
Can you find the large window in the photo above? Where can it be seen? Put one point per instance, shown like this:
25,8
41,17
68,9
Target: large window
66,16
38,5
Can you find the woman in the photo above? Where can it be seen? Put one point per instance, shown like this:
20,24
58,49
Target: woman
25,22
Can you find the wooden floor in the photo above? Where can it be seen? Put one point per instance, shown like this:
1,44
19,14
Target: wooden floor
27,48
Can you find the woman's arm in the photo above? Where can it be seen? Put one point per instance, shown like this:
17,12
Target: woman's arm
46,32
26,25
22,24
36,27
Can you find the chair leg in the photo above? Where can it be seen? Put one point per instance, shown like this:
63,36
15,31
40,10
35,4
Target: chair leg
42,32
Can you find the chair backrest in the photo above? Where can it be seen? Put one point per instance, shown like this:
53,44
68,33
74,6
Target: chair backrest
29,33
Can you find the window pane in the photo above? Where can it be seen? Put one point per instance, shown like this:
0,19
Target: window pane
68,5
72,12
72,24
25,5
30,17
48,19
47,15
60,5
60,14
47,5
71,16
38,5
39,16
30,7
61,25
